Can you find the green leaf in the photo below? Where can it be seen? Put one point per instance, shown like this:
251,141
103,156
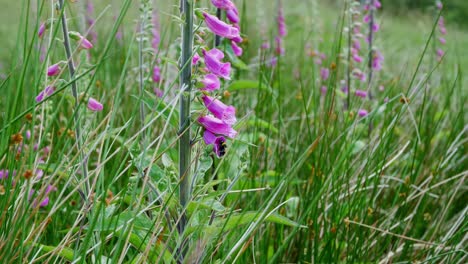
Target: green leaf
257,122
249,84
63,252
249,217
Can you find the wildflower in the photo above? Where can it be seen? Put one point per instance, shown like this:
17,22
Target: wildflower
195,59
42,29
377,4
366,18
233,15
442,40
211,82
45,200
323,89
28,134
361,93
94,105
49,90
156,74
265,45
282,31
218,142
439,5
324,73
279,46
3,174
362,112
217,126
377,60
223,4
220,110
213,63
440,53
53,70
85,44
237,50
375,27
220,28
158,92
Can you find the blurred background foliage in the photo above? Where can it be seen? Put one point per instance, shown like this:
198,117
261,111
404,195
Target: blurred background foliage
455,11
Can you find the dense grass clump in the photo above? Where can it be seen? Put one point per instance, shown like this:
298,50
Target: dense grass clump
151,131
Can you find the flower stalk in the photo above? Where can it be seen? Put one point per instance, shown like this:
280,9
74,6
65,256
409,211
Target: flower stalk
71,68
186,8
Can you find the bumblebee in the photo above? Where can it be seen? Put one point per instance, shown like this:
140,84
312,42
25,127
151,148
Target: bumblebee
222,148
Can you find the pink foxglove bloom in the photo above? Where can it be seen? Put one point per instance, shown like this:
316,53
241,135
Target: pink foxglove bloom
273,61
375,27
220,28
223,4
48,91
440,54
156,74
356,44
94,105
217,126
443,30
158,92
377,61
45,200
218,142
265,45
361,93
85,44
195,59
357,58
220,110
439,5
282,31
377,4
42,29
323,89
233,15
53,70
237,50
442,40
213,62
3,174
237,39
362,112
211,82
359,75
324,73
366,19
279,46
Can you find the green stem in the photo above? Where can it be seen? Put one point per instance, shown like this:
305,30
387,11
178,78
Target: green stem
71,68
79,140
186,9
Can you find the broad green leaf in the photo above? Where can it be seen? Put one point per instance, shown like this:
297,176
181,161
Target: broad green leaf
63,252
257,122
249,84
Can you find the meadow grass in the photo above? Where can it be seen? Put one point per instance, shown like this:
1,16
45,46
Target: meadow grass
307,180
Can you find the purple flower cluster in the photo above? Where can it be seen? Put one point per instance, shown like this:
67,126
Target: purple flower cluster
282,31
443,31
219,122
370,8
55,69
155,42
